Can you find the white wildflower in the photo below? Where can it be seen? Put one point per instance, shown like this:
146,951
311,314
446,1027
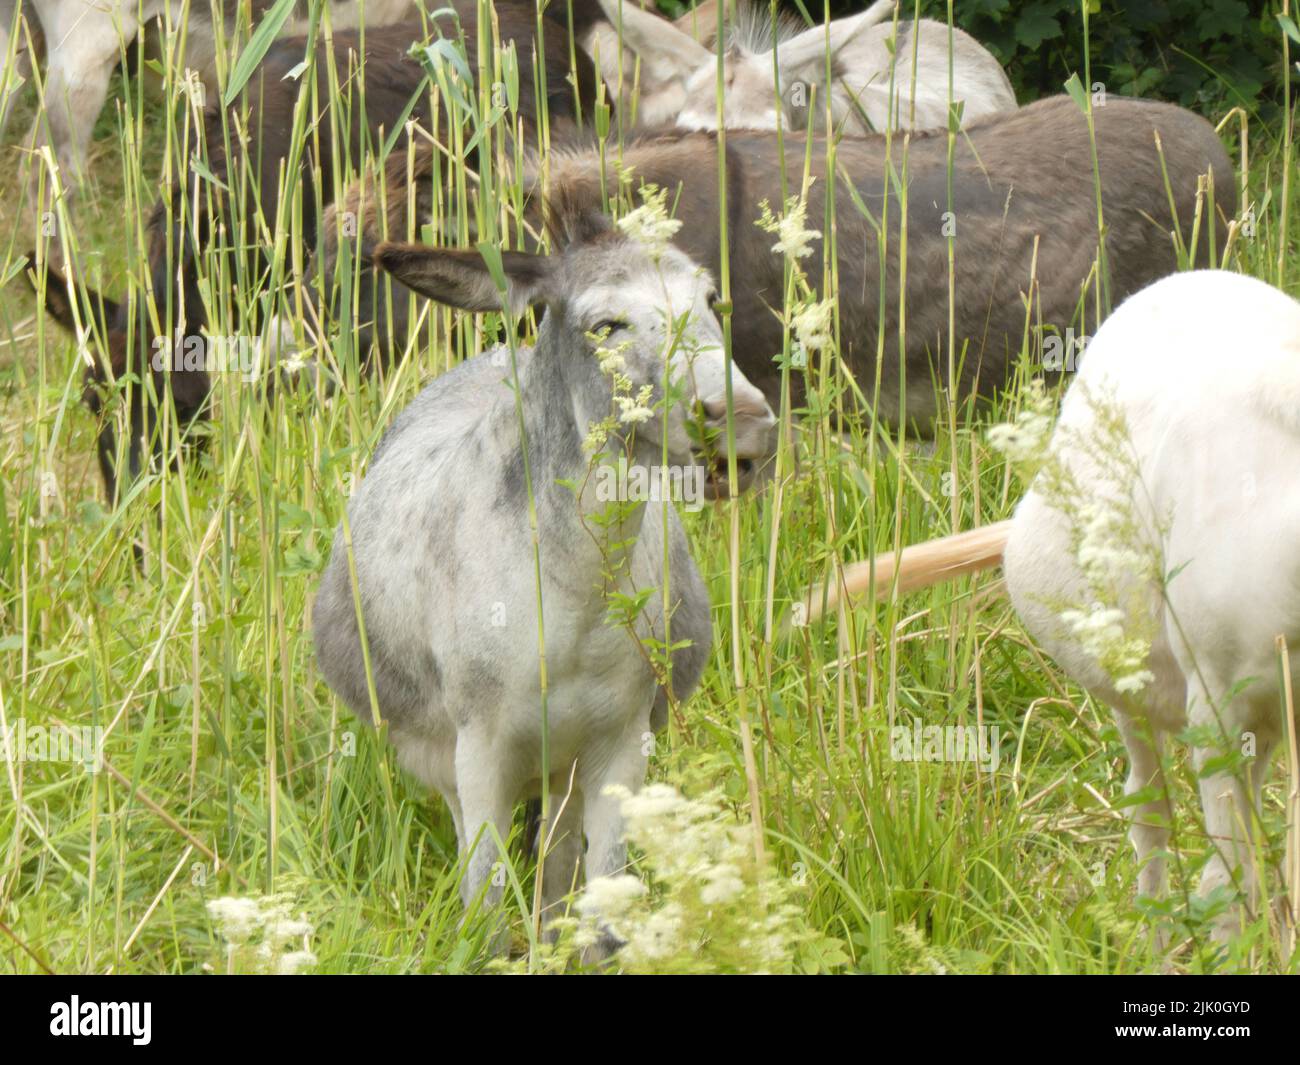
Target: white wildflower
652,803
649,224
237,919
597,436
1097,630
1133,683
1115,556
1104,553
633,410
258,929
1100,631
280,932
294,962
607,899
812,326
659,936
722,884
611,360
714,907
294,364
794,238
1025,439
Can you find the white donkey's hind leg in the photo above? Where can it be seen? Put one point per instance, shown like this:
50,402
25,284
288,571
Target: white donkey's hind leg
1150,829
83,43
1230,802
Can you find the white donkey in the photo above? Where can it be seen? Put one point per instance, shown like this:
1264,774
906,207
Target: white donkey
85,39
868,89
1166,517
443,550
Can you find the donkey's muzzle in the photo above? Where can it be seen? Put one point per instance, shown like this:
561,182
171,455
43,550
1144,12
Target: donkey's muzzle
754,426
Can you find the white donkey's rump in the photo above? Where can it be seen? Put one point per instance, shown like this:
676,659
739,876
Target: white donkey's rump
1182,437
1157,556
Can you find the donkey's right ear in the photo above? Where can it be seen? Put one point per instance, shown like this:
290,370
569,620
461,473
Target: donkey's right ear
804,55
55,296
459,277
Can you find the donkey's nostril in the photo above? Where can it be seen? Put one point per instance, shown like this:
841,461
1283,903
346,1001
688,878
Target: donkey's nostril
715,410
743,405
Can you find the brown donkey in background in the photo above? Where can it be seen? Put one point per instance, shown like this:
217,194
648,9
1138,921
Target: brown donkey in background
138,334
1023,211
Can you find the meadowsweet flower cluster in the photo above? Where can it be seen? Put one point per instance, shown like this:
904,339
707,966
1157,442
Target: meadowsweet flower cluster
1024,441
635,409
810,320
650,224
911,955
812,326
1100,630
1106,552
1113,551
712,908
707,905
630,407
262,935
794,238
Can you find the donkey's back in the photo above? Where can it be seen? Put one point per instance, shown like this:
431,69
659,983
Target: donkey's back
1022,215
432,449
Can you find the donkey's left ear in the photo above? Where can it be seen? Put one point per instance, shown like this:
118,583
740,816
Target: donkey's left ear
459,277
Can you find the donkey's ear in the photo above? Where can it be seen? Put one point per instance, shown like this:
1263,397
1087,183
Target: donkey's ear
701,22
103,311
460,278
668,55
807,52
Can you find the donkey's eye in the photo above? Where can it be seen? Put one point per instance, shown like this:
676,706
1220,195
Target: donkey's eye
609,326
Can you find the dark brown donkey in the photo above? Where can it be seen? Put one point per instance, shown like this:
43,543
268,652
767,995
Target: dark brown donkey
229,232
1023,210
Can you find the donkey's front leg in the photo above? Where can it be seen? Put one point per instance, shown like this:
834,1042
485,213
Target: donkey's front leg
606,846
486,793
560,852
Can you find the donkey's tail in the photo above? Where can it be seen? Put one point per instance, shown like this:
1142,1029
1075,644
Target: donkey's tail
915,567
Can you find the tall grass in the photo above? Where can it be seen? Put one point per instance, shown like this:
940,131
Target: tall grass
231,769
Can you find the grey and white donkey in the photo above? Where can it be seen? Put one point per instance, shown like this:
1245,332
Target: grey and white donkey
443,551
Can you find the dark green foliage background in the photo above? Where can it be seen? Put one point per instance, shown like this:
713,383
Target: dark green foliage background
1208,55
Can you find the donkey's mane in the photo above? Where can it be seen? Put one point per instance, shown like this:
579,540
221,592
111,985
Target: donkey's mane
571,218
582,144
751,30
